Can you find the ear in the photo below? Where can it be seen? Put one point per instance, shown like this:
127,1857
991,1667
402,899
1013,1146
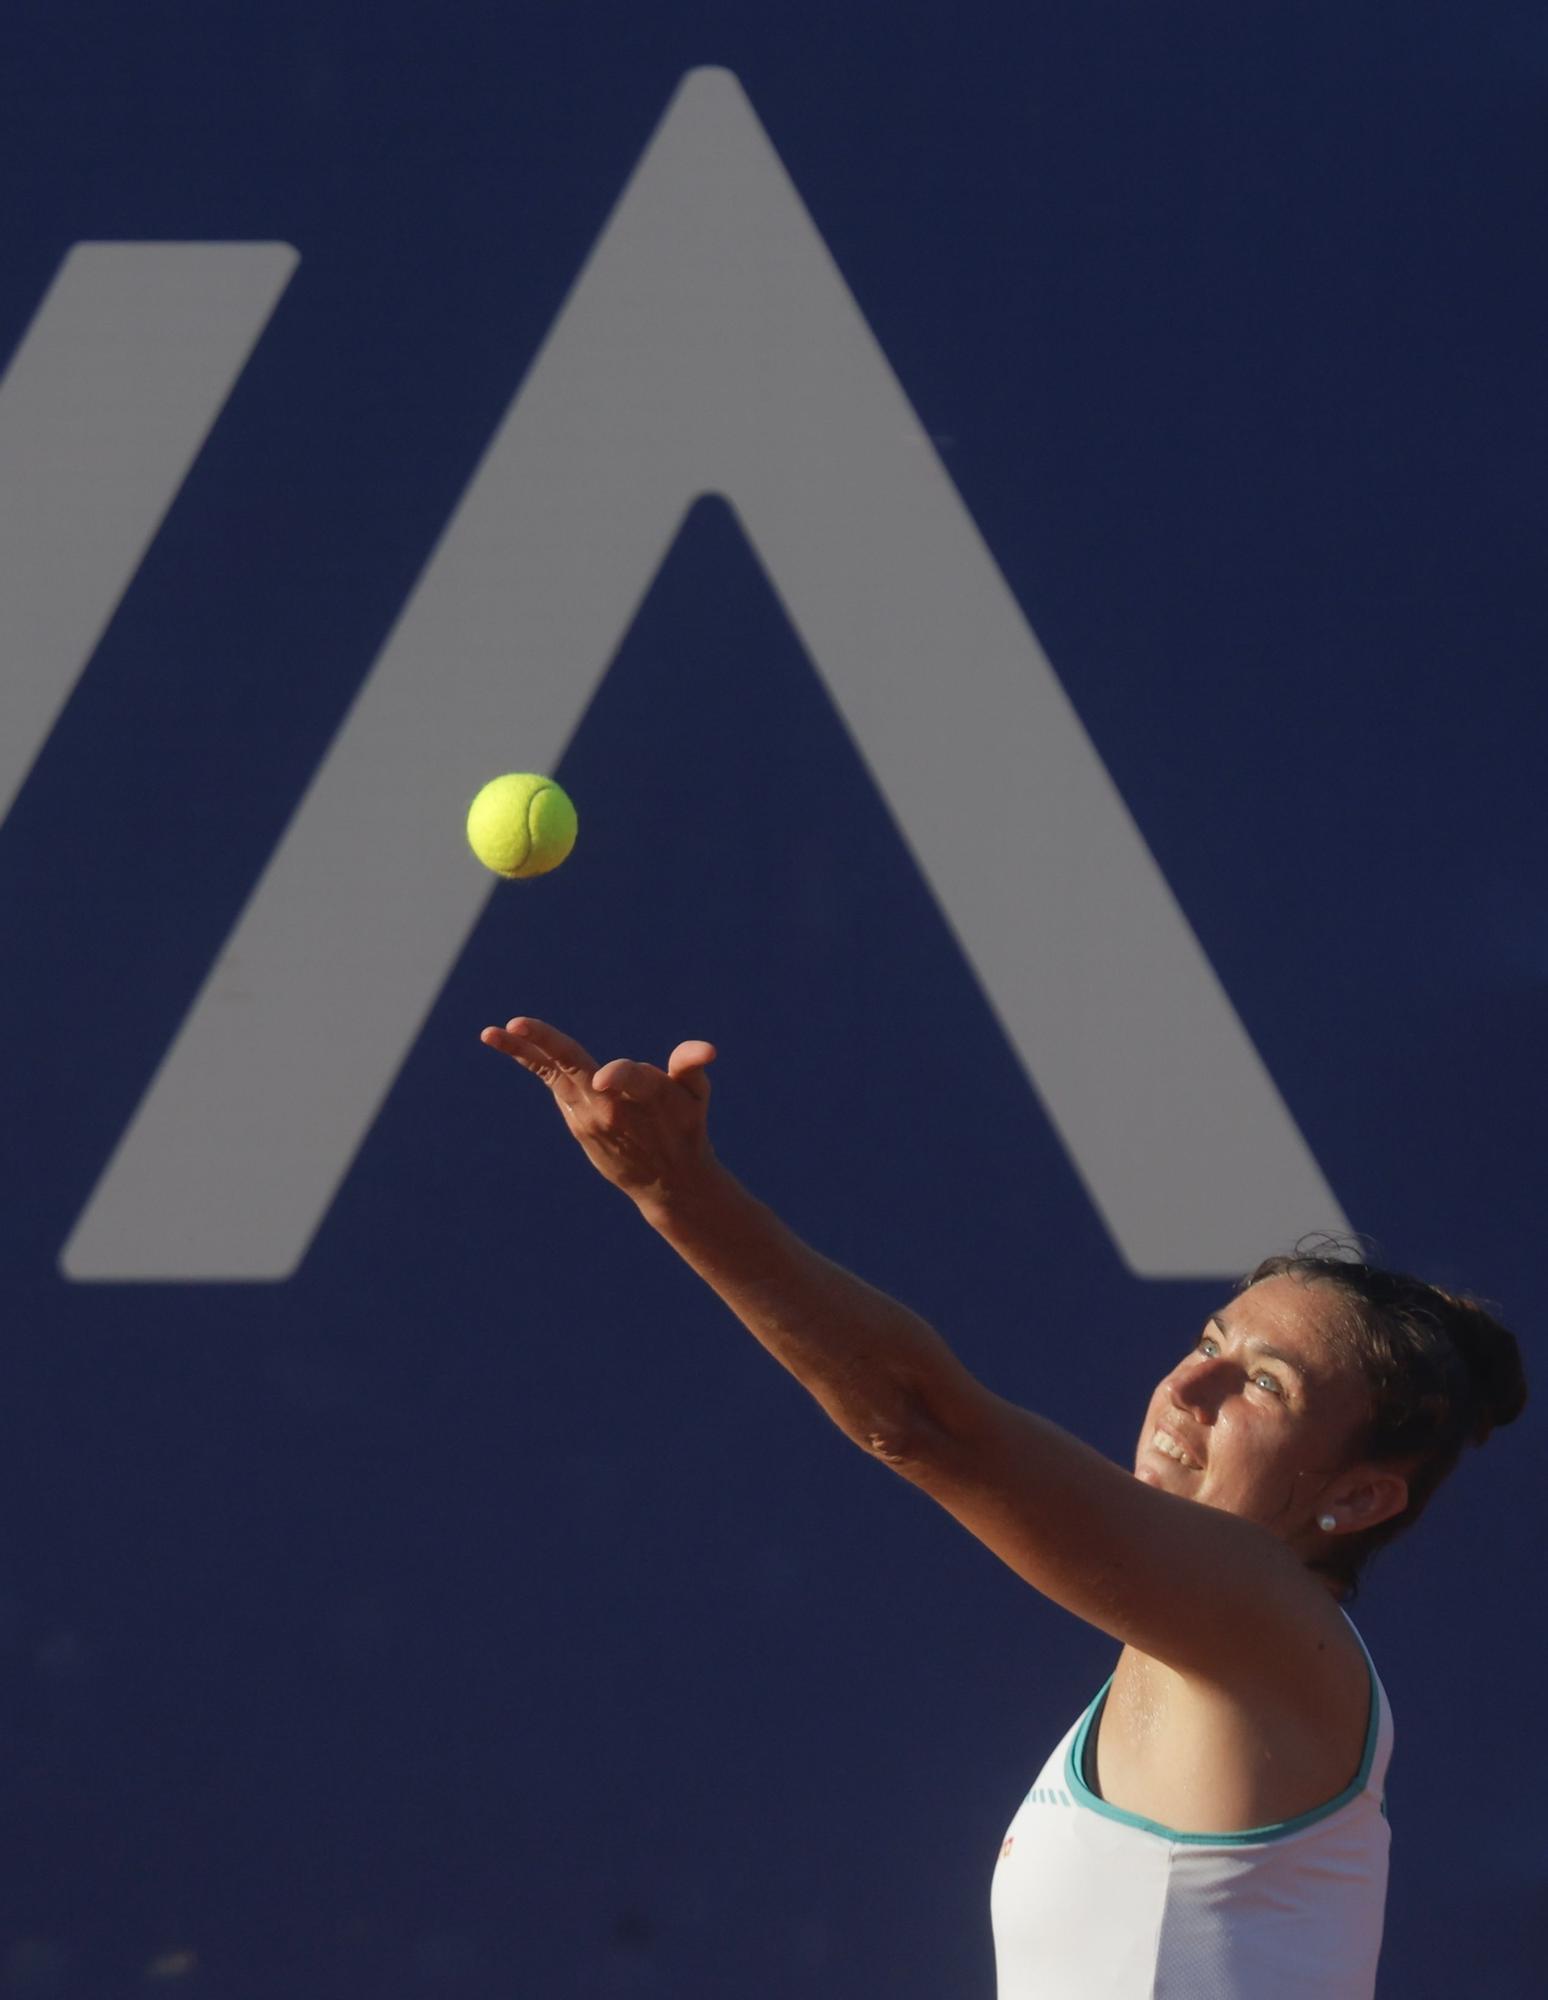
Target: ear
1365,1496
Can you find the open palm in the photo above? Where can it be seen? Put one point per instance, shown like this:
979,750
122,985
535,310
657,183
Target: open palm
641,1127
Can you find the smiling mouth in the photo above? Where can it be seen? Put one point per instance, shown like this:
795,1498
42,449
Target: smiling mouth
1168,1446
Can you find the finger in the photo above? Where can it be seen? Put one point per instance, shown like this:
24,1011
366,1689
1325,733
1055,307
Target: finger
560,1049
528,1054
638,1082
507,1043
688,1064
570,1087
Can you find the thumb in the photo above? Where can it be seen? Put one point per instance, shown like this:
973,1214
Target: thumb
688,1065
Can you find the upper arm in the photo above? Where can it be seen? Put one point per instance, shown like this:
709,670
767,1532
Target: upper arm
1218,1598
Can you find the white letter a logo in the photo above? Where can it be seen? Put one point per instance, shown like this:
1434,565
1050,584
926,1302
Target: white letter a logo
709,345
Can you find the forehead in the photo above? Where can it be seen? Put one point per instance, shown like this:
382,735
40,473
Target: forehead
1307,1321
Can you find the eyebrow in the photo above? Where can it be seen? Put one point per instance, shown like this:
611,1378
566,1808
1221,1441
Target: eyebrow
1264,1347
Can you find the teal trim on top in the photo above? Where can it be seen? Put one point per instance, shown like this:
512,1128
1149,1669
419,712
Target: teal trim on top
1075,1776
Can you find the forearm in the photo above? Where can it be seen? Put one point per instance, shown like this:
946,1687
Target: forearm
882,1374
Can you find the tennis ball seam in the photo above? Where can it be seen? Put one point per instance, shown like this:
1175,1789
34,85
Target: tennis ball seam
532,825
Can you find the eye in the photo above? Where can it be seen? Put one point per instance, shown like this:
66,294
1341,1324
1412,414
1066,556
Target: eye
1270,1382
1208,1346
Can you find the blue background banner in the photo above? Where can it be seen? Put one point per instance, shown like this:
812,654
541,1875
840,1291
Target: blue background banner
476,1611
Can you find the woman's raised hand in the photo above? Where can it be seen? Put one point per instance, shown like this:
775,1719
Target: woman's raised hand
641,1127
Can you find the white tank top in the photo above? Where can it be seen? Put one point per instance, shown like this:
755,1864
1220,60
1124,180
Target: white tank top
1091,1903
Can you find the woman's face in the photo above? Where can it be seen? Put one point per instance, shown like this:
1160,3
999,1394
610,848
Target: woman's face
1262,1418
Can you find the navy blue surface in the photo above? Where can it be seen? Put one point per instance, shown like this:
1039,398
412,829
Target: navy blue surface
480,1613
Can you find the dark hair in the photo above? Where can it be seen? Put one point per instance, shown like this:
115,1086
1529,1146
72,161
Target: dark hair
1441,1370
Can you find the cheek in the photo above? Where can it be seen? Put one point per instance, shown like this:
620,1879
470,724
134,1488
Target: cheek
1265,1454
1239,1450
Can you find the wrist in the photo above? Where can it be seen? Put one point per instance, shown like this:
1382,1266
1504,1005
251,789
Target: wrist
695,1201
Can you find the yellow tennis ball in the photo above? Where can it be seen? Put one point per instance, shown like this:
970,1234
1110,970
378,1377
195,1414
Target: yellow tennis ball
521,824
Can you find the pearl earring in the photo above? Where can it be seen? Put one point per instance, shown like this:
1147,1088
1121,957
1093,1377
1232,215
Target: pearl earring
1327,1523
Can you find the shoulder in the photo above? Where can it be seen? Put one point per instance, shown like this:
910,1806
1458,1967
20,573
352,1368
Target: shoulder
1205,1752
1316,1674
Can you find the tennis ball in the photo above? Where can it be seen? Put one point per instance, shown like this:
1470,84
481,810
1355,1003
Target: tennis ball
521,824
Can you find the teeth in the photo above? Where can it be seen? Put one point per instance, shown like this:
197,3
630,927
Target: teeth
1174,1450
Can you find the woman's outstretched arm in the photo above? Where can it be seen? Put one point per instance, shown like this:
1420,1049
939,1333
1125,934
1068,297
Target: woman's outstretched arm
1208,1593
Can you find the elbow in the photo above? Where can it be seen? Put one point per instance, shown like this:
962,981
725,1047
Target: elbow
908,1435
890,1445
929,1427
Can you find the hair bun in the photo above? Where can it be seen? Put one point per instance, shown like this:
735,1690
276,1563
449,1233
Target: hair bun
1493,1361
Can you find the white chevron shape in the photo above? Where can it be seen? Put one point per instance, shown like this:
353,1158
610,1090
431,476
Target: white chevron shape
710,344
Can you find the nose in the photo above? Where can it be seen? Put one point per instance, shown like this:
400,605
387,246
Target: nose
1201,1385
